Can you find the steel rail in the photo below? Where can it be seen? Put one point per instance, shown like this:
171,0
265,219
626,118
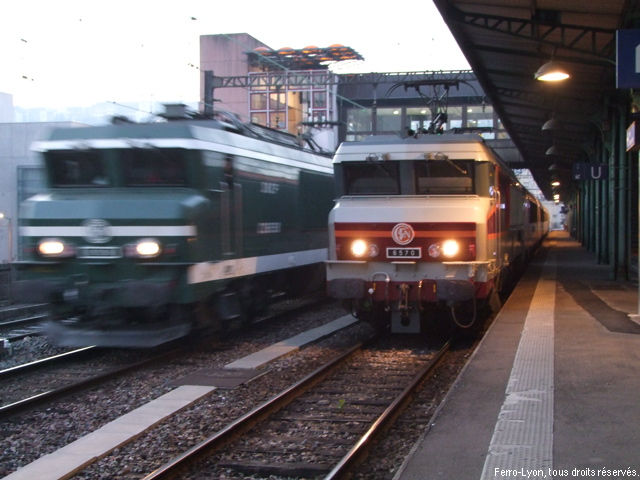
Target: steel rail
19,369
14,337
20,405
386,418
223,437
19,321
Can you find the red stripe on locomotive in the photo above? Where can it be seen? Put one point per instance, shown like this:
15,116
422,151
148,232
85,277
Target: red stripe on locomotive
425,234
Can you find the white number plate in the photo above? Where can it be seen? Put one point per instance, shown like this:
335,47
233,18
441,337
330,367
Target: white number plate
415,252
99,252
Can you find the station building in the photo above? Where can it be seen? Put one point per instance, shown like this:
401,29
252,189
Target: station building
294,90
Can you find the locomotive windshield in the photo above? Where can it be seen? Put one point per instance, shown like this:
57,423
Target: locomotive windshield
77,168
129,167
154,167
417,177
372,178
444,176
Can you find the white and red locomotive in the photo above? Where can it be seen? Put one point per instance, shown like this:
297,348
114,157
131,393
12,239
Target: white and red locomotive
425,221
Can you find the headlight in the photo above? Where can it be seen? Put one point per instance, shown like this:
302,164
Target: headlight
447,249
450,248
361,248
55,248
148,248
144,248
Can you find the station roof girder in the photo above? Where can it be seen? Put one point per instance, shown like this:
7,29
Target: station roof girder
506,41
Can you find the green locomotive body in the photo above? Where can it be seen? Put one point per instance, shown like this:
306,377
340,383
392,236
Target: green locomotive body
147,230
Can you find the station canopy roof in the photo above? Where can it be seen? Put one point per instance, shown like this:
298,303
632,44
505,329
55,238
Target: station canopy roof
308,58
507,41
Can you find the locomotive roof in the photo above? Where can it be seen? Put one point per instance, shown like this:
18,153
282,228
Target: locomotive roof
392,147
188,134
422,139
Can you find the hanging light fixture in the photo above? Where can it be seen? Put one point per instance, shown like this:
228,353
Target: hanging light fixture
551,71
552,150
553,124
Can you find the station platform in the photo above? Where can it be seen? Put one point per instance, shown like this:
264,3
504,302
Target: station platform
553,389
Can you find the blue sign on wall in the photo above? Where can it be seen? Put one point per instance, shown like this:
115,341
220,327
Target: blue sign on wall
628,58
590,171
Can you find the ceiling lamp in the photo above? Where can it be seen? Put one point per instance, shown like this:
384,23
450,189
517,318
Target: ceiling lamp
551,125
552,150
551,72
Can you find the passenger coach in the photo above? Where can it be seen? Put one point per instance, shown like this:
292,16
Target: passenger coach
426,221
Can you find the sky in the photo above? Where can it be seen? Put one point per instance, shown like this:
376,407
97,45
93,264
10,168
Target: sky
64,53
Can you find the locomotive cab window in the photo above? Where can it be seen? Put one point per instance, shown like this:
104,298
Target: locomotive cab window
154,167
77,168
371,178
444,177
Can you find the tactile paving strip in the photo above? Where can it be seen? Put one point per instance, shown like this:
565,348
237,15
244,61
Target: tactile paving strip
523,437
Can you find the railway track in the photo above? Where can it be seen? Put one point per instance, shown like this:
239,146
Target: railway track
321,426
16,329
67,372
44,362
29,385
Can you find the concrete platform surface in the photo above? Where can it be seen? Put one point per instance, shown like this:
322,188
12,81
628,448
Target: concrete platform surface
553,390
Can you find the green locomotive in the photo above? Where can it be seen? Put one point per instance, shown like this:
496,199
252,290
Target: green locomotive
147,231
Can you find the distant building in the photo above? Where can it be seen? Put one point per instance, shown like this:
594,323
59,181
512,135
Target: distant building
6,108
294,90
226,56
98,114
286,89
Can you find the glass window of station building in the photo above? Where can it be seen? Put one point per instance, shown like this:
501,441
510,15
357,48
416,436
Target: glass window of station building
286,105
364,121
